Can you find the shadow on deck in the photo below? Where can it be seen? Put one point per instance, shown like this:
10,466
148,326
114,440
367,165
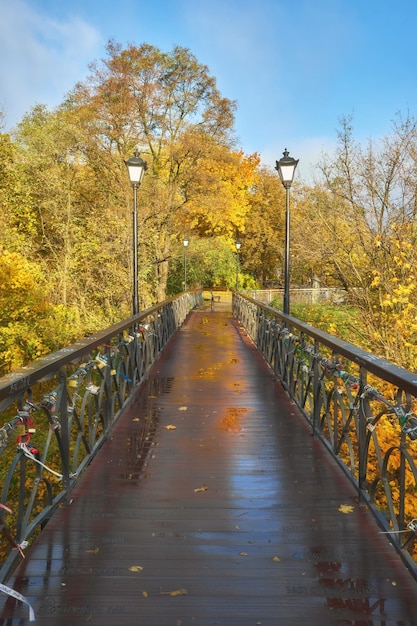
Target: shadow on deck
231,514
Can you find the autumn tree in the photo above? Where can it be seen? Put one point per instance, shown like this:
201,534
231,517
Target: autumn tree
367,207
16,218
217,190
30,325
60,209
263,241
168,106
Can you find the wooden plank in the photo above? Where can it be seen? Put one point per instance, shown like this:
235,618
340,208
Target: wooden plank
229,513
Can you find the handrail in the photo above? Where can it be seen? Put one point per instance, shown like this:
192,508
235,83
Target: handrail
362,407
61,410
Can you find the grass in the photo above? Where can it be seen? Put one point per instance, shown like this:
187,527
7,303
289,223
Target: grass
340,321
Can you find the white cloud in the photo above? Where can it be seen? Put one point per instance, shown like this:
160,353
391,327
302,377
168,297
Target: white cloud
42,58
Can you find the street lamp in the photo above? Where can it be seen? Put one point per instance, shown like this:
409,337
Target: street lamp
286,169
136,168
185,242
238,245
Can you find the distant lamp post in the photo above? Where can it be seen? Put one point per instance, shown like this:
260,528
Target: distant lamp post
136,168
286,169
238,245
185,243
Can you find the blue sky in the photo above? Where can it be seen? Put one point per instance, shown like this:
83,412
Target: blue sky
294,68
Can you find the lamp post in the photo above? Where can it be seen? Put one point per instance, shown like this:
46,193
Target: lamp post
136,168
185,243
238,245
286,169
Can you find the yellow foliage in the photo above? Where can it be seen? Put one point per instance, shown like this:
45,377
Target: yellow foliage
376,280
394,312
221,187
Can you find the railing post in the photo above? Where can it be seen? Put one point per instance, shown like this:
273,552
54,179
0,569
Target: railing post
402,483
316,389
362,437
22,494
335,442
107,409
64,434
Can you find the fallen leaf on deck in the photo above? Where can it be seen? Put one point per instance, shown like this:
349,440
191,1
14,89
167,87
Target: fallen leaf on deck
276,559
345,508
145,594
93,551
177,592
243,554
182,408
135,568
203,488
170,427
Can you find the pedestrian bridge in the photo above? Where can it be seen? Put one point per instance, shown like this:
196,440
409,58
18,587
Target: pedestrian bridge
198,466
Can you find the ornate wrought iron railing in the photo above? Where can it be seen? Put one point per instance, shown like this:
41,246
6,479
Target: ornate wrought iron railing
362,407
57,413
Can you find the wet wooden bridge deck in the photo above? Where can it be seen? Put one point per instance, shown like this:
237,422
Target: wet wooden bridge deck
230,514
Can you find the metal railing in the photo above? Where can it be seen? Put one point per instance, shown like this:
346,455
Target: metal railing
362,407
59,411
299,295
